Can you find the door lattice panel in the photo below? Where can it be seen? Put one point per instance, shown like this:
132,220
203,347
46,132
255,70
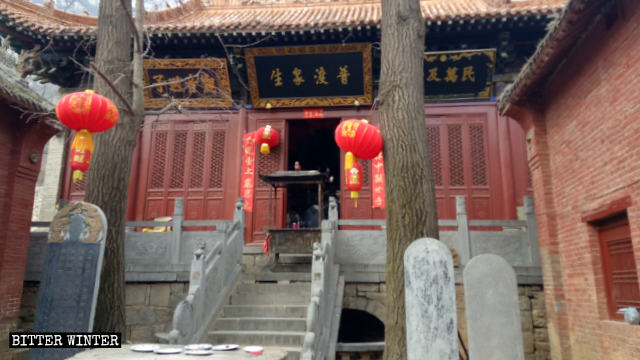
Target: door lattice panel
158,161
217,159
179,154
478,156
365,172
268,164
456,162
433,134
197,160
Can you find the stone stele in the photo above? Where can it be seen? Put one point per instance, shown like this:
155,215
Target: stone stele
493,312
430,298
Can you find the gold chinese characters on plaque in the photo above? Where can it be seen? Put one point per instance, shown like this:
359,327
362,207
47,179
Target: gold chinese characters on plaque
190,83
309,76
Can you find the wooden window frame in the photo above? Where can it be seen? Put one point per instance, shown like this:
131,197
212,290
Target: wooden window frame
610,222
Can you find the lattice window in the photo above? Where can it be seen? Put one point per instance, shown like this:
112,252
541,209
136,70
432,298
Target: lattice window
433,135
365,172
217,159
159,152
197,160
268,164
178,160
478,155
456,162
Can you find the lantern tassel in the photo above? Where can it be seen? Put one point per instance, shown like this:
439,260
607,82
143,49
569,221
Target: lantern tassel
77,175
264,149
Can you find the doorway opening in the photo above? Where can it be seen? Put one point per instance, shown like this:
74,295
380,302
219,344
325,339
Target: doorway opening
312,146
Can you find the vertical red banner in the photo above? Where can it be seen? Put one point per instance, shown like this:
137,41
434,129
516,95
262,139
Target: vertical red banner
379,200
248,170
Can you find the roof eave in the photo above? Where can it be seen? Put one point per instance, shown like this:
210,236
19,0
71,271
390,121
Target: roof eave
566,33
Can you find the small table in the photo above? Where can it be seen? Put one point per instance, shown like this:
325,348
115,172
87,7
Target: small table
125,353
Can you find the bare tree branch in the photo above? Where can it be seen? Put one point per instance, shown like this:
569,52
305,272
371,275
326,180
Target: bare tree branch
233,67
96,71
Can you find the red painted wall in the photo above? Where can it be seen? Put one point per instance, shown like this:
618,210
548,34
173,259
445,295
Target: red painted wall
18,176
584,155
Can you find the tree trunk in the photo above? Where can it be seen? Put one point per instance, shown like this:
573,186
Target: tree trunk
411,202
108,181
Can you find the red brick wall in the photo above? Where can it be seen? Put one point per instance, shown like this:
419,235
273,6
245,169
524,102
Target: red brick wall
585,154
18,177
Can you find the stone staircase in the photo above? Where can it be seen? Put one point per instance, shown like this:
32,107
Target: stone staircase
266,314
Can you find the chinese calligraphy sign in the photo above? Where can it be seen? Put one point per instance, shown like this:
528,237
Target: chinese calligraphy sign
459,74
317,75
247,184
192,83
378,188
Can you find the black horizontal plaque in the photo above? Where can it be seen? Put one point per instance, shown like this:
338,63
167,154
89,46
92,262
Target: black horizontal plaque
459,74
191,83
319,75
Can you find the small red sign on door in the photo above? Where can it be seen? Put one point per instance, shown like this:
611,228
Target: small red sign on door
313,113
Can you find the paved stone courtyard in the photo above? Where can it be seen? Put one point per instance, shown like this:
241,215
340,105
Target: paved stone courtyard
125,353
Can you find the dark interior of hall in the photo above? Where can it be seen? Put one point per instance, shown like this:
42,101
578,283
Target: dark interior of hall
312,146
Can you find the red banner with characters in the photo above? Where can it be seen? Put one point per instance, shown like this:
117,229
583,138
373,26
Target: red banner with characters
378,192
248,170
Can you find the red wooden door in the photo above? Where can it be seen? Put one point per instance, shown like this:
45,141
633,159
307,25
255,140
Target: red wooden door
459,153
267,164
185,160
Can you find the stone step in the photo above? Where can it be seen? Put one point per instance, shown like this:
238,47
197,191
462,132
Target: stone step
292,311
269,276
294,259
261,323
269,299
273,288
262,338
293,353
271,294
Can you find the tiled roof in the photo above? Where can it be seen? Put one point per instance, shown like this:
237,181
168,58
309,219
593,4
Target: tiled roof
265,15
565,33
15,90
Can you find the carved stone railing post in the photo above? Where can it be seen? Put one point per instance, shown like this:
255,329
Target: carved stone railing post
324,280
532,230
238,221
178,217
333,211
464,236
213,275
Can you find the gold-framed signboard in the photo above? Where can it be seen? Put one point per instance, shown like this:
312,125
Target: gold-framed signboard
459,75
314,75
191,83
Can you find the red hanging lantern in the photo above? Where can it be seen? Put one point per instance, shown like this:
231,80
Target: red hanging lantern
353,179
267,137
359,137
86,112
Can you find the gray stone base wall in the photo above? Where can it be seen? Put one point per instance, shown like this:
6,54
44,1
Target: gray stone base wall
149,308
370,297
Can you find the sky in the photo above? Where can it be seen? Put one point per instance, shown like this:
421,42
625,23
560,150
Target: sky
90,7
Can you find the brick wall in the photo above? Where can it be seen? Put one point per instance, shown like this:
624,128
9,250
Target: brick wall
18,175
584,153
